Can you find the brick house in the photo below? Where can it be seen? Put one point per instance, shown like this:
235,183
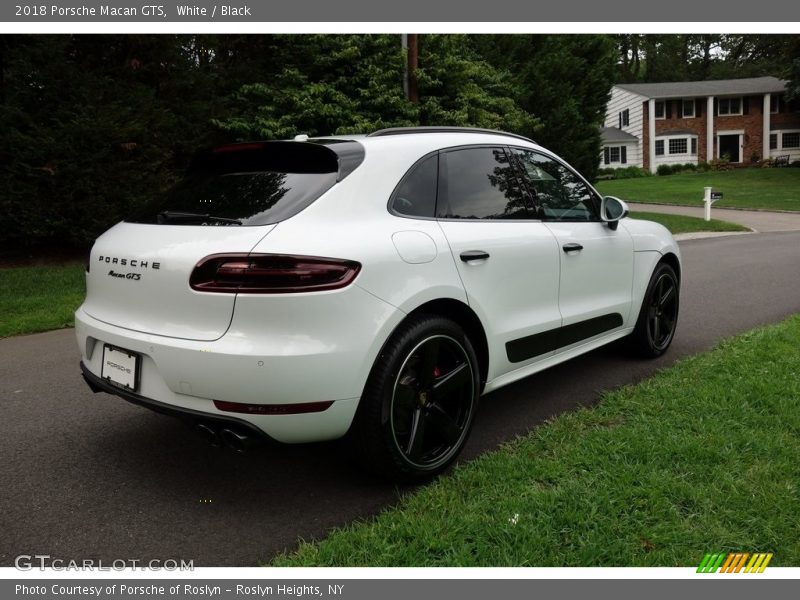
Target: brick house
746,120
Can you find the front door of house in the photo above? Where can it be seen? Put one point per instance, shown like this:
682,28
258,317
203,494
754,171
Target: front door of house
730,147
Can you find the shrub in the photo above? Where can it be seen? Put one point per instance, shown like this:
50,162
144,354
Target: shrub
631,173
702,167
625,173
689,167
720,164
665,170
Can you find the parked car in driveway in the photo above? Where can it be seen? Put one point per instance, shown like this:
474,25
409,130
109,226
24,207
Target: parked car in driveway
370,286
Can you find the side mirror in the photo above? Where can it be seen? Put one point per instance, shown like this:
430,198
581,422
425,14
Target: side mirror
612,210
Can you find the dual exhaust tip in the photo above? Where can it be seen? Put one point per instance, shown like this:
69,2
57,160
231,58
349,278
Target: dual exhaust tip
235,440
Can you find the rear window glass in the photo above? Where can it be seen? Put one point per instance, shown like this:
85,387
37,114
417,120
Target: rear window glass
246,184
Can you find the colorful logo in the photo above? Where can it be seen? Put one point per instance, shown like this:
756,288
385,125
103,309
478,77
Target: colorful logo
735,562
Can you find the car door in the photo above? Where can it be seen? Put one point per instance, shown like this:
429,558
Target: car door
508,261
596,261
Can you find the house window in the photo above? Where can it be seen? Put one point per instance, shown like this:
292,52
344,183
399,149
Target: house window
729,106
790,140
773,141
659,147
624,118
694,145
688,108
615,154
774,104
659,110
678,146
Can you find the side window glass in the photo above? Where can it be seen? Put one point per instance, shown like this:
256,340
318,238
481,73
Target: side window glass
560,194
416,195
480,183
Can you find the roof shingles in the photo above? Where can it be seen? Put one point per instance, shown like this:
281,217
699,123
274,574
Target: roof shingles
719,87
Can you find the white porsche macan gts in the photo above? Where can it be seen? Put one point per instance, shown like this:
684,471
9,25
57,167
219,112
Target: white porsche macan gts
371,286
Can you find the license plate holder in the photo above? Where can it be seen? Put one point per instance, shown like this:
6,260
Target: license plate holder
121,367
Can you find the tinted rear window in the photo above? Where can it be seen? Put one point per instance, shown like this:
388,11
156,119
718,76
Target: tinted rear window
247,184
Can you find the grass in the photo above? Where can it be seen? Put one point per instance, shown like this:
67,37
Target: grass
39,298
770,189
683,224
702,457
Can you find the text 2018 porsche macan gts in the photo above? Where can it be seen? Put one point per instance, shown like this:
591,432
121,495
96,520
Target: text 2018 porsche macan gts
374,286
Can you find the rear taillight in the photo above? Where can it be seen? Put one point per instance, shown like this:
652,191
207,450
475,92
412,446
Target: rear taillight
271,273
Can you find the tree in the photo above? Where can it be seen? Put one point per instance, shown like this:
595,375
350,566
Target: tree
459,87
93,125
327,84
564,80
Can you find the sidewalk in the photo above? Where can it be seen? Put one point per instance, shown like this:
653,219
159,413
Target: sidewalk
760,221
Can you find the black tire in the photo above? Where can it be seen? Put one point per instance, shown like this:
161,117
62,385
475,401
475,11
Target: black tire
658,316
419,401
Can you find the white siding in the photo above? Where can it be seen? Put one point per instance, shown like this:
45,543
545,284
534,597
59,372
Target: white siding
621,100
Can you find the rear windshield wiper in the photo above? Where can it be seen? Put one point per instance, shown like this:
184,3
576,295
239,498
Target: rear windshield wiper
168,216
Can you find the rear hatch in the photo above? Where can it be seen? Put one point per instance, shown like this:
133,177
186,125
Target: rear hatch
232,197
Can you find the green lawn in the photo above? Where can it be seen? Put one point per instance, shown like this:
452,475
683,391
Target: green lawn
702,457
39,298
775,189
683,224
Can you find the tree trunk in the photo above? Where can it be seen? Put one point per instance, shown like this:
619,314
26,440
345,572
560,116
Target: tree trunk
413,60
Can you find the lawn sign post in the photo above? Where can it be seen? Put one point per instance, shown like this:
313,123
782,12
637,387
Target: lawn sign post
709,198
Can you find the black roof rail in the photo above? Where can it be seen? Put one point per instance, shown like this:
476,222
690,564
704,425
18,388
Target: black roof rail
436,129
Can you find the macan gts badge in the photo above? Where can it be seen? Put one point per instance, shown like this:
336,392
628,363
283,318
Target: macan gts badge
370,286
125,262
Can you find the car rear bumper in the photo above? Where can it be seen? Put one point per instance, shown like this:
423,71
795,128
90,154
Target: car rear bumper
214,423
277,359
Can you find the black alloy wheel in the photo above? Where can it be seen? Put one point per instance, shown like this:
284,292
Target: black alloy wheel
419,402
658,316
432,402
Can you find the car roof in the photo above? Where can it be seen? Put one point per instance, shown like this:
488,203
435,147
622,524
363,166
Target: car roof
438,129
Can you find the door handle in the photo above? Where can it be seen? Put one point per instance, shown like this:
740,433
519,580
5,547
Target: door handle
470,255
572,247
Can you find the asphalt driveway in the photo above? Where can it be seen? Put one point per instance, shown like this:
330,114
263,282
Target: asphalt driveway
90,476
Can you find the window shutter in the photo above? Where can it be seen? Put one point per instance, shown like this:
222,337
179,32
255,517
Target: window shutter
620,120
668,109
716,106
745,105
698,107
623,155
605,156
